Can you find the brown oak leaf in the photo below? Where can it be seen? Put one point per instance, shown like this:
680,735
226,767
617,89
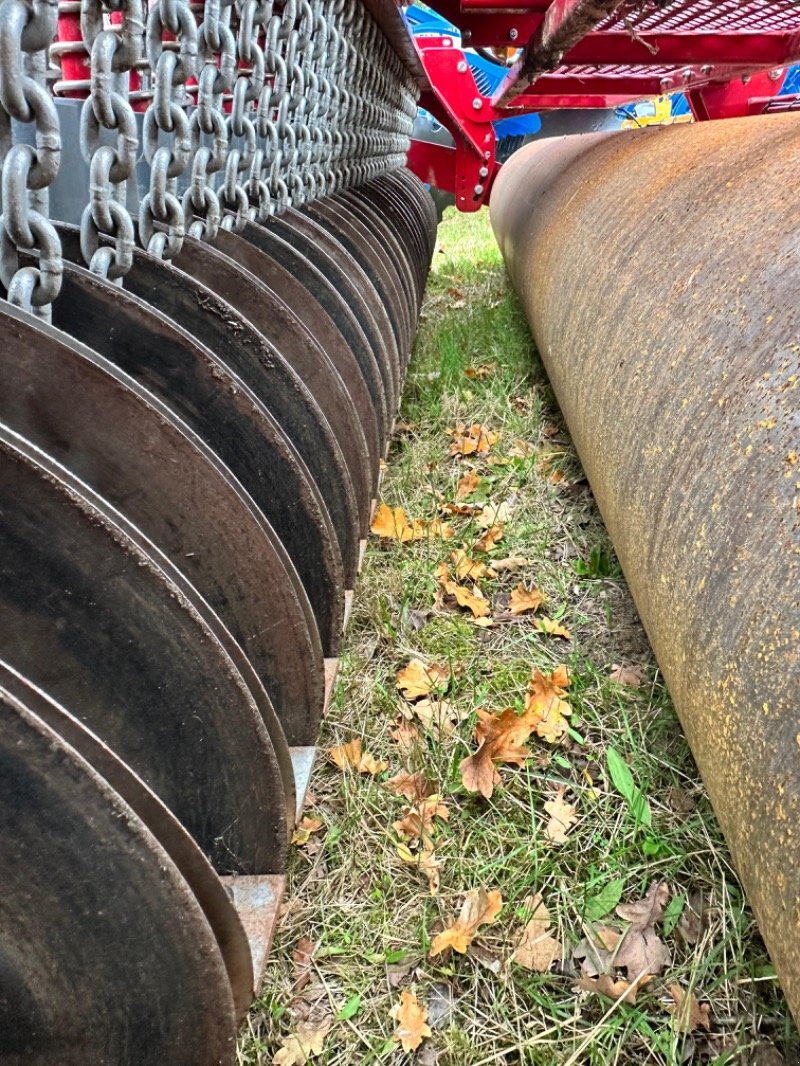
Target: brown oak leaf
642,951
479,908
417,822
304,1044
524,599
613,988
467,485
472,440
419,679
689,1013
492,535
413,787
350,756
537,949
502,739
562,817
412,1021
552,629
307,826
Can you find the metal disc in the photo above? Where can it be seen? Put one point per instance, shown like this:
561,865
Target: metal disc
105,955
190,861
328,295
327,346
133,451
341,221
189,378
326,253
93,622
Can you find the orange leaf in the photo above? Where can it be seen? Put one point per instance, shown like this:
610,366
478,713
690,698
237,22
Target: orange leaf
523,599
479,908
611,988
627,675
307,826
350,756
412,1021
417,823
538,949
467,485
393,525
562,818
502,739
689,1013
416,679
404,733
425,861
552,629
478,373
414,787
472,440
470,569
475,600
492,535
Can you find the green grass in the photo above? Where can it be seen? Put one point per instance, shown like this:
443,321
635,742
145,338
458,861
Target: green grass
372,915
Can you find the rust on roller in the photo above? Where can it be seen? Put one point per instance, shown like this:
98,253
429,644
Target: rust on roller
659,271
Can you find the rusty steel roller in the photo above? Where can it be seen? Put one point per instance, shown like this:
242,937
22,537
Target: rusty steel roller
659,271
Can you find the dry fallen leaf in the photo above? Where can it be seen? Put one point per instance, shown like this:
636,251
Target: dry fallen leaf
467,485
406,734
426,862
613,988
689,1013
512,562
552,629
597,950
493,514
413,787
350,756
478,373
304,1044
524,599
307,826
418,679
641,950
537,949
394,525
627,675
472,440
502,738
562,817
545,699
417,823
412,1021
492,535
437,716
302,954
521,449
468,569
479,908
474,600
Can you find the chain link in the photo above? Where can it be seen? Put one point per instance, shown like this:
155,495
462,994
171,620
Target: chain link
26,29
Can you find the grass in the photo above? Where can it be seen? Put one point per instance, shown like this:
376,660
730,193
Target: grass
370,914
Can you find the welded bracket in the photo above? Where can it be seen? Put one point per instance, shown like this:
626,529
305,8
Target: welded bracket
468,169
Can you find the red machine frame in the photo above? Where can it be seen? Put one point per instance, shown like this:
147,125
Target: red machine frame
728,56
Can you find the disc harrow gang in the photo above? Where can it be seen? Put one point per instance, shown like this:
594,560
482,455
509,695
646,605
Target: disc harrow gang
204,350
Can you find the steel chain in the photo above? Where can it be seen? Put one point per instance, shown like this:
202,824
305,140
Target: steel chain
26,29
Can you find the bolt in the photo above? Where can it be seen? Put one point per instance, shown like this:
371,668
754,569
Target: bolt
487,155
462,67
477,103
478,190
665,84
447,42
775,75
706,69
745,79
466,35
513,34
483,172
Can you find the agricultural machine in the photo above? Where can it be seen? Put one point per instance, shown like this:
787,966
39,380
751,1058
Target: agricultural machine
214,241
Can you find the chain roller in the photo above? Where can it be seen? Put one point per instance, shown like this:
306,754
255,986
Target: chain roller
26,29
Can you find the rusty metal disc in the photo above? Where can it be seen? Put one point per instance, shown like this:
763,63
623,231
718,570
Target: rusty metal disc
105,954
189,378
400,255
353,423
341,220
400,209
347,276
133,451
325,292
202,371
190,861
289,393
197,604
91,620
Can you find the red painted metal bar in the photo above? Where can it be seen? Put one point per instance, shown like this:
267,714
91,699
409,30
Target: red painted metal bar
565,24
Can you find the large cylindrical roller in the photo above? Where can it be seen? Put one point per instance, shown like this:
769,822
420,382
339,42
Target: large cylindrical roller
660,272
91,620
130,448
105,954
193,866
